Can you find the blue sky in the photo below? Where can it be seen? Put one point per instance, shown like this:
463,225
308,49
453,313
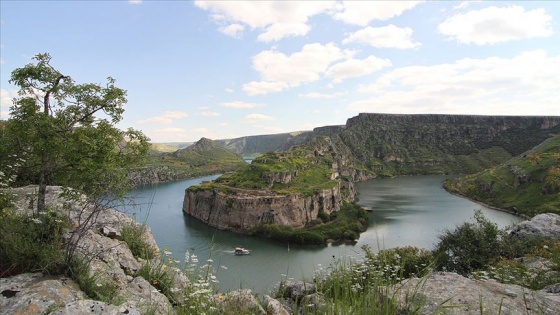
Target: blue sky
226,69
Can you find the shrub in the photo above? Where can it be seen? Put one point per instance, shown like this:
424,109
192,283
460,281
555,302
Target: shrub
31,244
133,235
471,246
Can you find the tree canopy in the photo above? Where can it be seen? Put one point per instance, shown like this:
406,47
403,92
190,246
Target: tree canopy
64,133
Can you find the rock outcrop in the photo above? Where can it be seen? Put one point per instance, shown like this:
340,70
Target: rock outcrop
153,175
240,210
450,293
542,225
110,258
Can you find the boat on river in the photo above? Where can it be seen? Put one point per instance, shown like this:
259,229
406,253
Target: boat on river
241,251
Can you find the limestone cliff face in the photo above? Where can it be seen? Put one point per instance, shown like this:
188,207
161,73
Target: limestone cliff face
428,144
155,175
240,210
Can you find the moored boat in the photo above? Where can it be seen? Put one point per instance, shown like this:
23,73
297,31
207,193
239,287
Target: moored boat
241,251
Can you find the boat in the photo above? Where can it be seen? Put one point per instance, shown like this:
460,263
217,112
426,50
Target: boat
241,251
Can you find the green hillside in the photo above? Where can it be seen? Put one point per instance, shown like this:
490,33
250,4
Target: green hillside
527,184
202,158
307,173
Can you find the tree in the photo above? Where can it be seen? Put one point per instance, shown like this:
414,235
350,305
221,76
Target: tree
66,133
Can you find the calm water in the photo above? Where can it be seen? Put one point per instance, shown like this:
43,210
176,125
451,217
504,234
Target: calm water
406,211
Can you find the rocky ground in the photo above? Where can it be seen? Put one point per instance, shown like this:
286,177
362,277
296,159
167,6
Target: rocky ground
440,292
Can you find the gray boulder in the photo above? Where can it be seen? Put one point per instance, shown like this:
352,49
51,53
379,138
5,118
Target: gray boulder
542,225
450,293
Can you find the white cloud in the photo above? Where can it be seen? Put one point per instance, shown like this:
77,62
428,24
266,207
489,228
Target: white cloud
317,95
255,117
493,25
276,19
229,90
208,113
352,68
280,71
170,135
278,31
241,104
263,87
6,97
526,84
135,1
234,30
389,36
164,119
363,12
175,114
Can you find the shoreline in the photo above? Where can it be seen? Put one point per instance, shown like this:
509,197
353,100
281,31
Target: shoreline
519,215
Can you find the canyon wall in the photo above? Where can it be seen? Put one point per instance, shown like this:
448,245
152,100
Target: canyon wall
240,210
368,146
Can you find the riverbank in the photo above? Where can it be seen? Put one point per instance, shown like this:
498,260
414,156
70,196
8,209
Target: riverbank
515,213
155,285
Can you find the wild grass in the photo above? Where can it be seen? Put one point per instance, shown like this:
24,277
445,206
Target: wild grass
133,235
31,243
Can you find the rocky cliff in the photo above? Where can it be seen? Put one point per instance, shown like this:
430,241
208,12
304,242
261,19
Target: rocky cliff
264,143
436,144
369,145
239,210
289,188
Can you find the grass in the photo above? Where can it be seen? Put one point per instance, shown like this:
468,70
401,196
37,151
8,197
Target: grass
343,225
133,235
31,243
308,173
527,184
95,286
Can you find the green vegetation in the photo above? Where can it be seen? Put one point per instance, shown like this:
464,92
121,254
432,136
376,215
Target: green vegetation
527,184
27,244
343,225
481,250
307,173
132,235
54,138
204,157
95,286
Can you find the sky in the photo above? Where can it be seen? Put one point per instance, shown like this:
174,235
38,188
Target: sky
228,69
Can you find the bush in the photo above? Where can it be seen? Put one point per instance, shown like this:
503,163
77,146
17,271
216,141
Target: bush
31,244
470,247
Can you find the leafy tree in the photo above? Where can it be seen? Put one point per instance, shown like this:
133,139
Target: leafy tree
65,133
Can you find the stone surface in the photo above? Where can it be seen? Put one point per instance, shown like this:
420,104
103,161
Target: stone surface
241,302
33,293
274,307
541,225
240,210
96,231
450,293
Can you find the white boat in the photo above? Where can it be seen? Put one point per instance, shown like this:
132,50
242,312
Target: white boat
241,251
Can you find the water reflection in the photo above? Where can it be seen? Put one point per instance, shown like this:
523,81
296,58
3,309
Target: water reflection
405,211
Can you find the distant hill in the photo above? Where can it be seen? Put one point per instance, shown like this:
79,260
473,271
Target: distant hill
527,184
161,148
202,158
251,145
208,155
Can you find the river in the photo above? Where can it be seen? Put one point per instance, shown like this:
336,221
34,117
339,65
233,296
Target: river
405,211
